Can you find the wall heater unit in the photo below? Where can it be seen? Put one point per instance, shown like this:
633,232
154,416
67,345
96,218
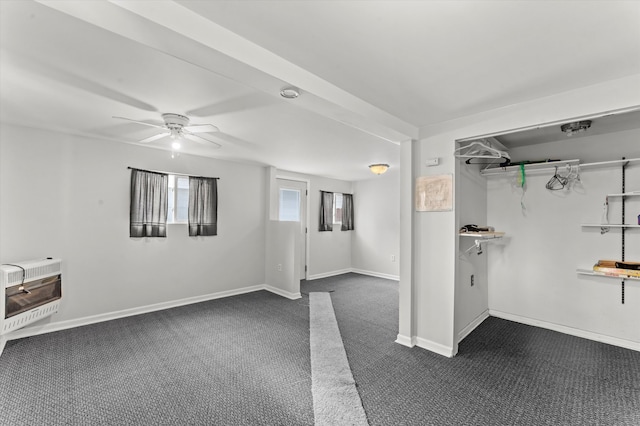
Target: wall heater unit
32,291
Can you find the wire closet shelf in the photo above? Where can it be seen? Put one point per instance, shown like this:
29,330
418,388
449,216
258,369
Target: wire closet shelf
551,166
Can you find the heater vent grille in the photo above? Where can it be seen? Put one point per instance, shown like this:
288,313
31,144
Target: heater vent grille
33,270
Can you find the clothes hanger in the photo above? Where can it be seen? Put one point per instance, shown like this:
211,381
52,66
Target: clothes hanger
479,149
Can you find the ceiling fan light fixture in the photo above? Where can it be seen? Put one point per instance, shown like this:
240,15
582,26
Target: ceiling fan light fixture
289,93
175,133
177,128
575,127
378,168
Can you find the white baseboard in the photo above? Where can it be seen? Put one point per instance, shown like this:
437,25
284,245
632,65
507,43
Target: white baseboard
434,347
357,271
623,343
328,274
283,293
3,342
472,325
376,274
78,322
405,341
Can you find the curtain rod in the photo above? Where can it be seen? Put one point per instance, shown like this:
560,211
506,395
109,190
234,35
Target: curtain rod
334,192
171,173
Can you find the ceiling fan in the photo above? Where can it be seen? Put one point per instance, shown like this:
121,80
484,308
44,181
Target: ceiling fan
177,127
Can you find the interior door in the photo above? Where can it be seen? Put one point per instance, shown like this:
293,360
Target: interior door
292,207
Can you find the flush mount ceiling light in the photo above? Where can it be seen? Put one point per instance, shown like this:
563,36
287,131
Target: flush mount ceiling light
575,127
289,93
378,168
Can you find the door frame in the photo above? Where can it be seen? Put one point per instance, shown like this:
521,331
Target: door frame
307,183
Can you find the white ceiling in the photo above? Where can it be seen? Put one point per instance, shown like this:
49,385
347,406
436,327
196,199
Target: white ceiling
371,73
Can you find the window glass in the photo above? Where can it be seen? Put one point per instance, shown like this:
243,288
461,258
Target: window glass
182,199
289,210
337,208
171,199
178,199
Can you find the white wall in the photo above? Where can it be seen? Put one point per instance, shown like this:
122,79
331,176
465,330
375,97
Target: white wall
329,251
282,266
472,302
68,197
434,245
377,224
428,304
532,275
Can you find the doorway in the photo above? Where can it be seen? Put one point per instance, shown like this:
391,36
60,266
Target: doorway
292,207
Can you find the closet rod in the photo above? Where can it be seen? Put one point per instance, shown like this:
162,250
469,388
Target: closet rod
530,168
170,173
551,166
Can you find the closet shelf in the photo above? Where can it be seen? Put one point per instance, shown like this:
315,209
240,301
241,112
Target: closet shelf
551,166
626,194
482,235
610,225
602,274
535,167
605,271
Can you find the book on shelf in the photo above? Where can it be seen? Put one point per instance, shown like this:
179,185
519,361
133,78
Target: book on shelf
618,268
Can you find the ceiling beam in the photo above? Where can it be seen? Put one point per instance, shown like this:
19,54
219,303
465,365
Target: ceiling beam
177,31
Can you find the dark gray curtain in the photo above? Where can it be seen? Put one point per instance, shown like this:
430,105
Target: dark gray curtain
326,211
347,212
148,206
203,206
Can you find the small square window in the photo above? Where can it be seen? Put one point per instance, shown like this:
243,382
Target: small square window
289,210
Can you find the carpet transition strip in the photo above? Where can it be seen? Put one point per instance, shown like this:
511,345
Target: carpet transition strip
335,398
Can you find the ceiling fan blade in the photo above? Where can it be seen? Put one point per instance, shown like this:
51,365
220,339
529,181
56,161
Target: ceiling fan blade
201,128
159,126
200,139
154,137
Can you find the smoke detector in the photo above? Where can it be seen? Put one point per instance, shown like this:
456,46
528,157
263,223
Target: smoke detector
575,127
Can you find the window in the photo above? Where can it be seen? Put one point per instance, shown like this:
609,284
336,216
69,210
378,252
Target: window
289,205
178,199
337,208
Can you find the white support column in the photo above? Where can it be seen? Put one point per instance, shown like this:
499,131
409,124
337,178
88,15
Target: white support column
406,329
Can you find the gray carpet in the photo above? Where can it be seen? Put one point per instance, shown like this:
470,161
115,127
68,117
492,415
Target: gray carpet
242,360
505,373
245,360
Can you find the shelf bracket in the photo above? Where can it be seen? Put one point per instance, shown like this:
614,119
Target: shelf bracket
478,245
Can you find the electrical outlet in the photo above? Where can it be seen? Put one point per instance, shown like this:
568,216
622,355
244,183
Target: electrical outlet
393,257
279,267
472,280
